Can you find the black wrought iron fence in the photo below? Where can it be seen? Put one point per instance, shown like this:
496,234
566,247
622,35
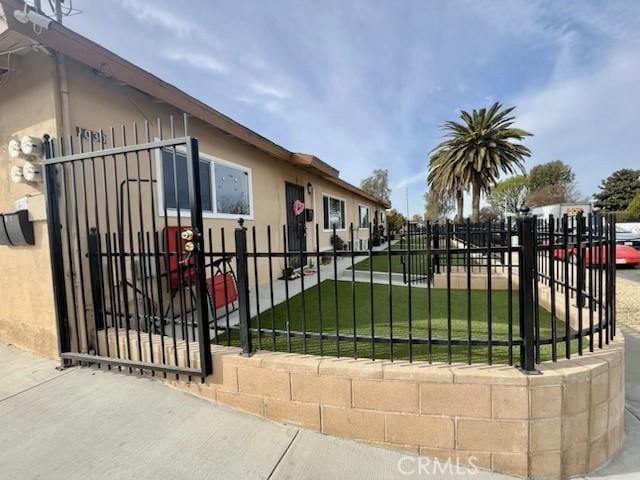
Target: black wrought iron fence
134,260
489,305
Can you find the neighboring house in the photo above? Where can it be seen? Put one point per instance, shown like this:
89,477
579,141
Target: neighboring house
56,81
559,209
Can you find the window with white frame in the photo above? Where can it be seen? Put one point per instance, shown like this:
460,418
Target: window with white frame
334,212
225,188
363,216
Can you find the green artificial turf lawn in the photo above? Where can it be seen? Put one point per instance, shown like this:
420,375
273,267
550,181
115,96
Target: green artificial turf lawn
380,263
400,302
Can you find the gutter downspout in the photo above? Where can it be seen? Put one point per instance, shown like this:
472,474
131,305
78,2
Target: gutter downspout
62,97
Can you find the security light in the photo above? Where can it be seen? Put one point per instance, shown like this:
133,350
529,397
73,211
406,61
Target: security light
24,16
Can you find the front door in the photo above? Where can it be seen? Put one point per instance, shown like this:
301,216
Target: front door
296,228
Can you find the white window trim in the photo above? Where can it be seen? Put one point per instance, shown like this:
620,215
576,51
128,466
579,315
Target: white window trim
362,205
173,212
335,197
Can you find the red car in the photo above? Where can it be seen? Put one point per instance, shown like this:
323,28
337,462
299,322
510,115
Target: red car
625,255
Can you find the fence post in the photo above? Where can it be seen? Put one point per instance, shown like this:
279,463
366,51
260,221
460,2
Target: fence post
527,281
243,288
55,252
435,236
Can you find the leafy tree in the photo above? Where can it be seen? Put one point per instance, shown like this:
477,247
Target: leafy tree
476,151
507,195
550,173
551,182
488,214
377,184
551,194
436,207
417,218
395,220
618,189
633,209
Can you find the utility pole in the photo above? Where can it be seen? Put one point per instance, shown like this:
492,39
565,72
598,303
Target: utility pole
58,11
407,188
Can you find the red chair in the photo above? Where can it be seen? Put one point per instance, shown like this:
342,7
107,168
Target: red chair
222,288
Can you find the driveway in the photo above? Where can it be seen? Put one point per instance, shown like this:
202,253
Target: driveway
85,423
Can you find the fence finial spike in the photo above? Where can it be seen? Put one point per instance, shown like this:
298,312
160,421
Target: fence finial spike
524,210
241,222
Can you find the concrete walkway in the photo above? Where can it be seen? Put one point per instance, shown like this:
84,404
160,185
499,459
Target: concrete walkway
85,423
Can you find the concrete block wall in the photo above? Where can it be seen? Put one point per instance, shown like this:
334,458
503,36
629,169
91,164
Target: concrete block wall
566,420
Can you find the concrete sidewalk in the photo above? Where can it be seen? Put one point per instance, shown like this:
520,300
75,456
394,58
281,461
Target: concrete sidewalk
86,423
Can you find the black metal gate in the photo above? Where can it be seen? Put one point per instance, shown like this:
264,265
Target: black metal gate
127,252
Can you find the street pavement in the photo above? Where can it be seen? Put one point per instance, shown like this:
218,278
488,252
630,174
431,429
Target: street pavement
84,423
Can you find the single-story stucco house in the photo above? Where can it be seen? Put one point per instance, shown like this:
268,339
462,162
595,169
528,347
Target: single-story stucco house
56,82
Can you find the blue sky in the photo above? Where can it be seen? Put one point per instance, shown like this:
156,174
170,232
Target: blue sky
366,84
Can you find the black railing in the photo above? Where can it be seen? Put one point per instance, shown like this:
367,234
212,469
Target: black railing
132,263
485,304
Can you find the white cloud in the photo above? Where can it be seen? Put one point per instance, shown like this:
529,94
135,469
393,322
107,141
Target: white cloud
200,61
161,17
587,119
269,90
411,180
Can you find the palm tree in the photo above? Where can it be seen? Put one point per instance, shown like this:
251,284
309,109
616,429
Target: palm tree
476,151
446,186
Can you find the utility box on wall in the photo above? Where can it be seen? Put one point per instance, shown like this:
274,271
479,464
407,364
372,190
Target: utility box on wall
16,229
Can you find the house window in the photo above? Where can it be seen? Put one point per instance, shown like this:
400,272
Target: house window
232,190
363,216
170,178
225,188
334,212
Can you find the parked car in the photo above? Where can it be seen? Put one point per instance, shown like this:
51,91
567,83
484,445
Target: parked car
625,255
627,237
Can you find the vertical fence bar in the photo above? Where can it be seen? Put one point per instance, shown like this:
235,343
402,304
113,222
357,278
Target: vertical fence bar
448,269
509,294
579,276
302,260
566,289
55,251
319,283
373,331
410,310
468,275
601,246
390,295
285,233
489,313
243,289
353,291
430,276
590,284
527,277
552,287
335,288
202,308
273,310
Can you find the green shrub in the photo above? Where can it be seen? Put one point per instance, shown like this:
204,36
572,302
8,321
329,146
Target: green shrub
633,209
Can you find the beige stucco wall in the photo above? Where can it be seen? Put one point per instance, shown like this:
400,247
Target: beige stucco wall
98,103
27,107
